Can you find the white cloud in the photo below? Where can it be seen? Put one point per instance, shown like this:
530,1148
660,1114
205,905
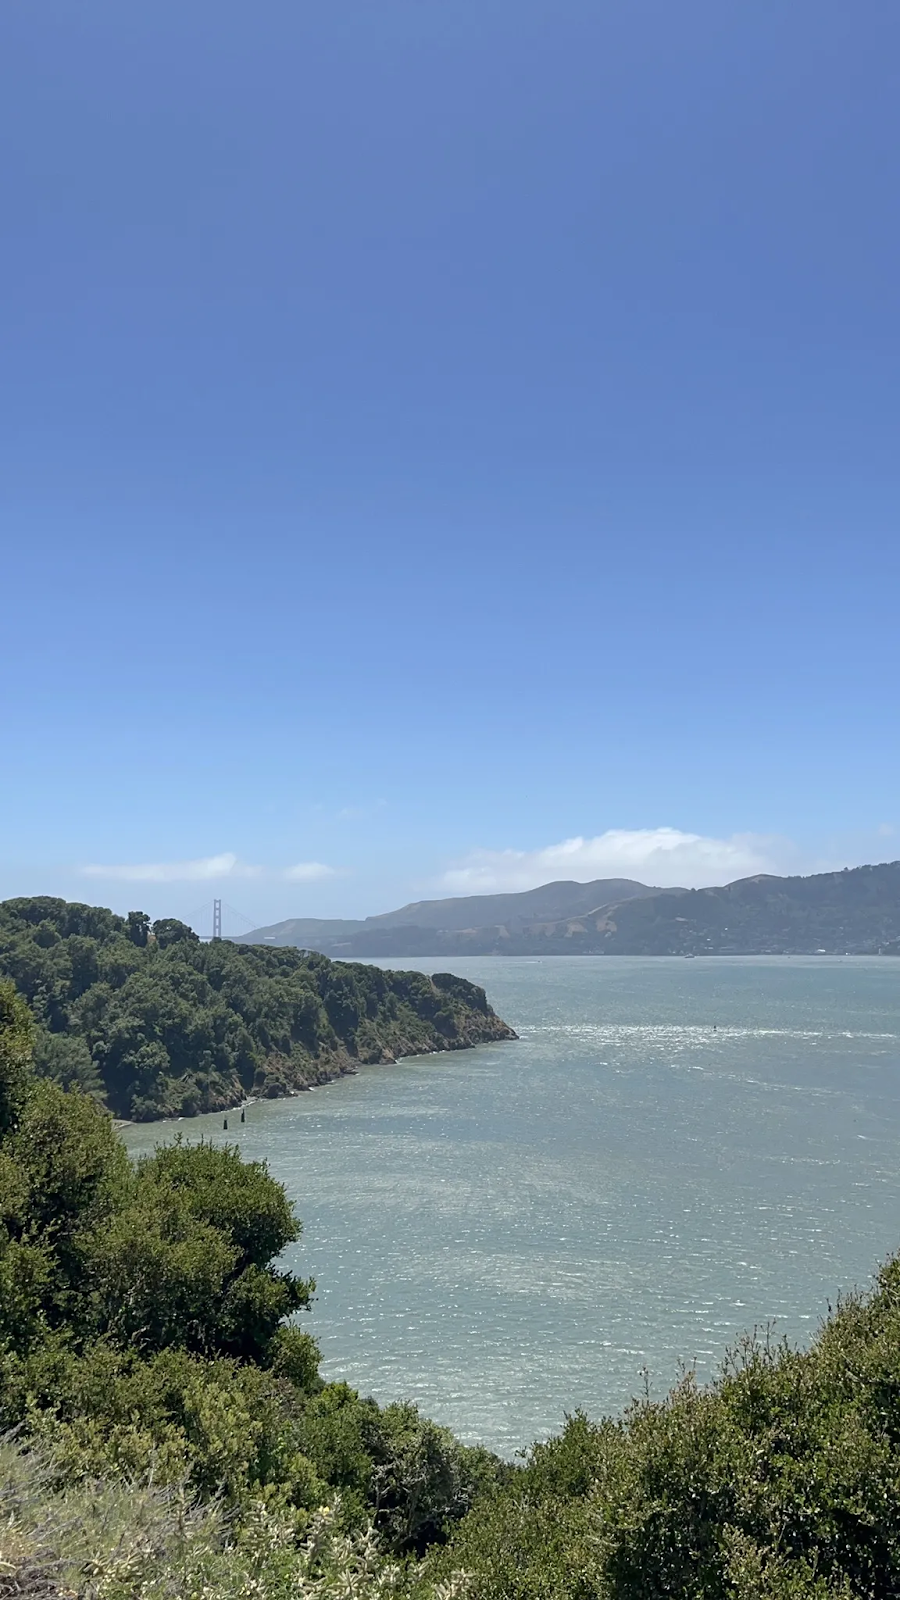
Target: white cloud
308,872
226,865
664,857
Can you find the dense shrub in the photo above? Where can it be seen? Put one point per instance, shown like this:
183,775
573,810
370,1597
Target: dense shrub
782,1479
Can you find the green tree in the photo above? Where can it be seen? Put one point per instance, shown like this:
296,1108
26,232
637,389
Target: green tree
168,930
16,1034
204,1198
66,1058
137,928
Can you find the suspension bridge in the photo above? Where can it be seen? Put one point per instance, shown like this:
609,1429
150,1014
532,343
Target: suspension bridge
216,919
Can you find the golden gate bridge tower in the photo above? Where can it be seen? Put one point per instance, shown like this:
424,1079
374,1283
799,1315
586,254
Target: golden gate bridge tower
221,912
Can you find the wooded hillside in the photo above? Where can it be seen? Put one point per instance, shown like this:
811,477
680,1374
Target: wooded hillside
158,1024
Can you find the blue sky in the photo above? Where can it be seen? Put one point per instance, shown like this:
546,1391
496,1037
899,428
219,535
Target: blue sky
445,447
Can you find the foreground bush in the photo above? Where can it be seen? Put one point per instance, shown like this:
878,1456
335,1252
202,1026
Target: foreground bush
113,1540
780,1480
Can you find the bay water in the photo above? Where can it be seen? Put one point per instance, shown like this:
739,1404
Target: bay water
673,1152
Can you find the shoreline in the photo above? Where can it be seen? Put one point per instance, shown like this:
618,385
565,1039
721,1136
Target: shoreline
342,1066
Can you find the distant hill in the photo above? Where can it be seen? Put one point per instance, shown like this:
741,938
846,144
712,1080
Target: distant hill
553,902
307,933
476,924
856,911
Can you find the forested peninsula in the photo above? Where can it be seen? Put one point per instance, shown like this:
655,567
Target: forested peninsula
155,1023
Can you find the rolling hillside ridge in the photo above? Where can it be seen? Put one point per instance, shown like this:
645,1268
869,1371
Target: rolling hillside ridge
855,911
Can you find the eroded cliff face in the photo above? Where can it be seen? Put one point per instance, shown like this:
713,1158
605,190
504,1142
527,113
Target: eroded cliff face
440,1013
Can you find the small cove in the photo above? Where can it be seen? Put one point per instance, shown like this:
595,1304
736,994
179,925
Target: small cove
672,1152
